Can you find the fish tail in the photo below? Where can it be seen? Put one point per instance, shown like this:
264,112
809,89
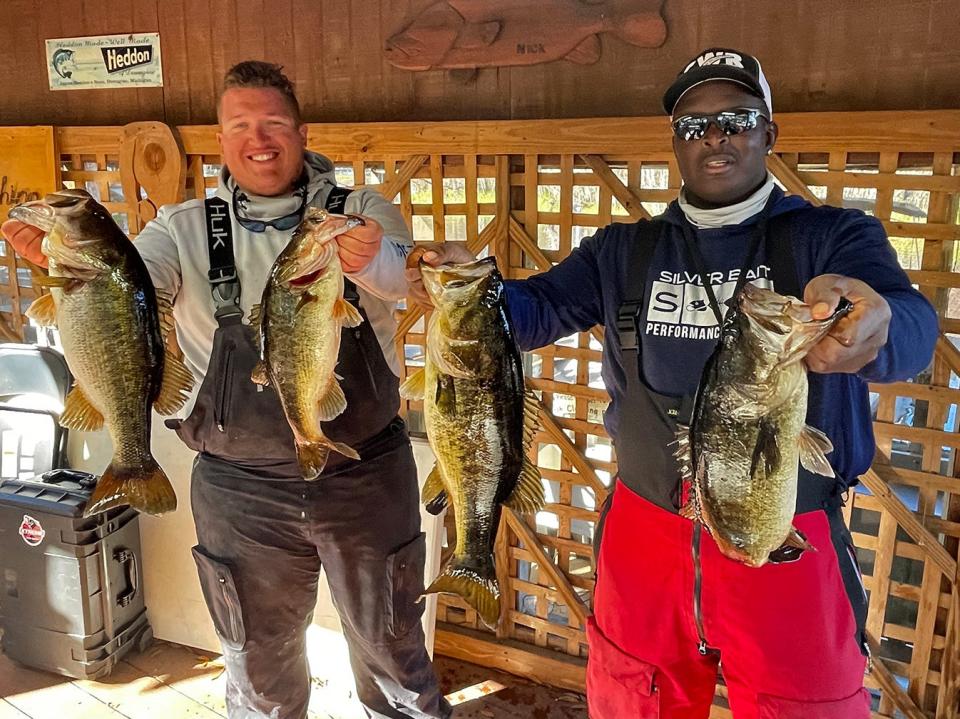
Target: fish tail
312,455
477,586
643,28
144,487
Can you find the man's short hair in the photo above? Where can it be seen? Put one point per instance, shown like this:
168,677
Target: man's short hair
254,73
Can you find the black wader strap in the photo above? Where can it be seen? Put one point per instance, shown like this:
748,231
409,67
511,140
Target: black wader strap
783,269
646,235
645,238
336,202
224,283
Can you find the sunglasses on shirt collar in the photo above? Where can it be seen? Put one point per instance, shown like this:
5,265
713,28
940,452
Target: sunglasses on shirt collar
287,222
730,122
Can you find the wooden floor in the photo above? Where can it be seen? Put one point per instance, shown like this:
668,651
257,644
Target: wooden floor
168,681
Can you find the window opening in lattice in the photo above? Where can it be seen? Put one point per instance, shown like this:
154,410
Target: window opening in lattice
343,174
599,448
909,251
654,176
578,233
586,199
455,228
860,198
422,226
548,456
583,497
454,190
421,191
373,173
564,405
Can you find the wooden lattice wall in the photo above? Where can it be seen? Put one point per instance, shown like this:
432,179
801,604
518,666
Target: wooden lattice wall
529,192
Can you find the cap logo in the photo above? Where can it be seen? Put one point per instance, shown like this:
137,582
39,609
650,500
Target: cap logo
717,58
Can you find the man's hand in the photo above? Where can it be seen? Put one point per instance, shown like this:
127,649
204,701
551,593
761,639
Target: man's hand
359,245
854,340
26,240
433,253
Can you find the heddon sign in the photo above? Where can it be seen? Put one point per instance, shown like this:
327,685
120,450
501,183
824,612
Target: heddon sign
106,61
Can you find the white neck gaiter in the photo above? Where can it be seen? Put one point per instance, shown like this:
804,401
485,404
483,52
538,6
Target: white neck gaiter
729,215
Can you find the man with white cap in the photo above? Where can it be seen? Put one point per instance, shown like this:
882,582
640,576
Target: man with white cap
669,609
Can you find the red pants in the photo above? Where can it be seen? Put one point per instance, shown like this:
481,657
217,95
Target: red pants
786,633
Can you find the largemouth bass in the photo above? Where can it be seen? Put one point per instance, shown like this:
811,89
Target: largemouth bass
748,435
480,423
298,323
112,326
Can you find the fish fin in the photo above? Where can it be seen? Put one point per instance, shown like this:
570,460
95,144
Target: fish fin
312,458
256,313
43,311
642,29
531,418
79,413
683,452
433,485
260,375
527,496
176,385
439,503
345,450
414,386
145,488
448,359
346,313
586,53
312,455
165,315
445,359
797,539
766,452
814,447
434,492
478,588
476,35
792,548
332,403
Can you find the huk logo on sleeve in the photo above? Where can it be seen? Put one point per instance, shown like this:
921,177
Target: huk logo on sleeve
30,531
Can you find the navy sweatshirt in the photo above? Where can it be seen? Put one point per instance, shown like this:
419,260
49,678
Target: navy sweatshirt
678,330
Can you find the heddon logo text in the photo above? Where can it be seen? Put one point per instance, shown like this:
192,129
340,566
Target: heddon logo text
123,57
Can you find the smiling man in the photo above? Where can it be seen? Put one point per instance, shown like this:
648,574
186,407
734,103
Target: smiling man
669,609
263,532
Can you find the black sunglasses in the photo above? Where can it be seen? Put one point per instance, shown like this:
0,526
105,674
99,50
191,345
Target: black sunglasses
730,122
287,222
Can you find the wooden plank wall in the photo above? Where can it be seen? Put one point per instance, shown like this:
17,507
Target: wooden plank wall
820,55
528,191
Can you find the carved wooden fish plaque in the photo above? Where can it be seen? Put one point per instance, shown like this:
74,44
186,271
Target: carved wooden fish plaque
468,34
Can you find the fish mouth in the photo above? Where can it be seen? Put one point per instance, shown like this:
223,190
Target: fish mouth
308,279
308,269
36,213
452,276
